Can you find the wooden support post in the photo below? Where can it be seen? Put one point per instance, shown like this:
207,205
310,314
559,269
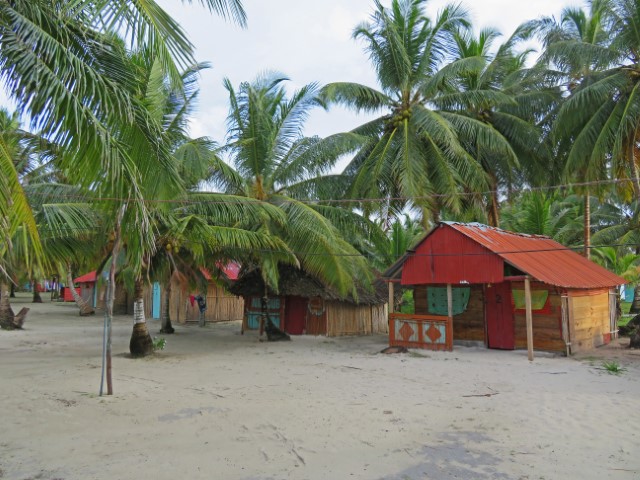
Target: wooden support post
529,316
391,297
449,301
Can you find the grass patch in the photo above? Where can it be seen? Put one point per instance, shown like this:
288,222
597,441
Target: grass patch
159,343
624,320
613,367
414,354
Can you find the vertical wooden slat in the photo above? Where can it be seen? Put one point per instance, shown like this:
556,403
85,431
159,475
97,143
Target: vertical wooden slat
613,318
529,316
390,297
565,322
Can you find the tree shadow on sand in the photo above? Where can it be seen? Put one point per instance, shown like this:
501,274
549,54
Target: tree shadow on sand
457,456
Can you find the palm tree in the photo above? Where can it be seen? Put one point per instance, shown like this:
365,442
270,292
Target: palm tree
61,63
16,217
69,224
580,46
558,214
65,64
623,230
500,93
198,227
416,149
402,234
275,164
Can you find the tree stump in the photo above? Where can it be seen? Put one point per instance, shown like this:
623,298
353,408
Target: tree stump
20,318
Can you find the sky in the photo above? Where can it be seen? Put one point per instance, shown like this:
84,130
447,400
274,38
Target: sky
308,41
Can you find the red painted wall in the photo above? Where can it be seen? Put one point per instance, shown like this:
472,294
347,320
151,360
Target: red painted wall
447,256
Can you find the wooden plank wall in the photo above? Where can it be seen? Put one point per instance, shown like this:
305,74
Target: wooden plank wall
547,328
589,321
348,319
316,324
420,300
468,325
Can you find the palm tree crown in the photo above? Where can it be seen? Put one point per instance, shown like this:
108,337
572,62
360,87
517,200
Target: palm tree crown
274,163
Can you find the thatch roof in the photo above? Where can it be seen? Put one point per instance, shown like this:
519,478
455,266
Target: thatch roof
296,282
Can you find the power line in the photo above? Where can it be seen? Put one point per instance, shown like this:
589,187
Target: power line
240,200
373,255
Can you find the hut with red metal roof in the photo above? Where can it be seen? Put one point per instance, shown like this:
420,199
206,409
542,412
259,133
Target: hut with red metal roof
222,306
504,290
87,285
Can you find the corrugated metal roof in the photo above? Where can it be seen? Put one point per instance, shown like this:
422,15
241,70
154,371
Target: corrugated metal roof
231,270
541,257
86,278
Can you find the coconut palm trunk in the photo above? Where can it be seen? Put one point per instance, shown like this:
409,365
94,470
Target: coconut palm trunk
166,314
36,294
493,206
140,344
83,305
6,313
587,225
635,305
108,305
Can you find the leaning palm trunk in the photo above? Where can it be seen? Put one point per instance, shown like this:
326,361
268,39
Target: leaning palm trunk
633,166
108,306
6,313
140,344
494,205
166,314
36,294
85,308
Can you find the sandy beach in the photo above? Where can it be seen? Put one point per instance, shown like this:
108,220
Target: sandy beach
219,405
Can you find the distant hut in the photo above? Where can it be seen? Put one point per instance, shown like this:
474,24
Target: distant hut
304,305
474,283
222,306
87,285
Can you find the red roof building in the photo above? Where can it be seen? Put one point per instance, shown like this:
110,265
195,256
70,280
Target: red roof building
86,278
483,271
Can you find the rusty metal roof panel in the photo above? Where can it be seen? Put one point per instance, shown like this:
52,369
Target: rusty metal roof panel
541,257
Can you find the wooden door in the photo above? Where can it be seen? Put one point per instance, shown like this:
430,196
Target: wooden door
155,306
499,313
295,315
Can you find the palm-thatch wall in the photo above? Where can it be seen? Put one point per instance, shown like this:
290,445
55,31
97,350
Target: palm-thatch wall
222,306
303,305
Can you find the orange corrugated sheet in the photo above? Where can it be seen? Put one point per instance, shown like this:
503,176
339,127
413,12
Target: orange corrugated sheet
86,278
542,258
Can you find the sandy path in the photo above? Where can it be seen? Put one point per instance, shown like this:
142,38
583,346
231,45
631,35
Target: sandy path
218,405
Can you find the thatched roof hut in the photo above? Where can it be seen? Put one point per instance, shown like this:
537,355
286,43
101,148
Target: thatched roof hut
303,304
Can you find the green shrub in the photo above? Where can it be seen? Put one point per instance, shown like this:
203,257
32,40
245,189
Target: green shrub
159,343
613,367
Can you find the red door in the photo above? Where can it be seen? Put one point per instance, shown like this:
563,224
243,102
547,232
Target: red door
295,315
500,322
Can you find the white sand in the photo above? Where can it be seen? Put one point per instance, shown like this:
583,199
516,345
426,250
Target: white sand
218,405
